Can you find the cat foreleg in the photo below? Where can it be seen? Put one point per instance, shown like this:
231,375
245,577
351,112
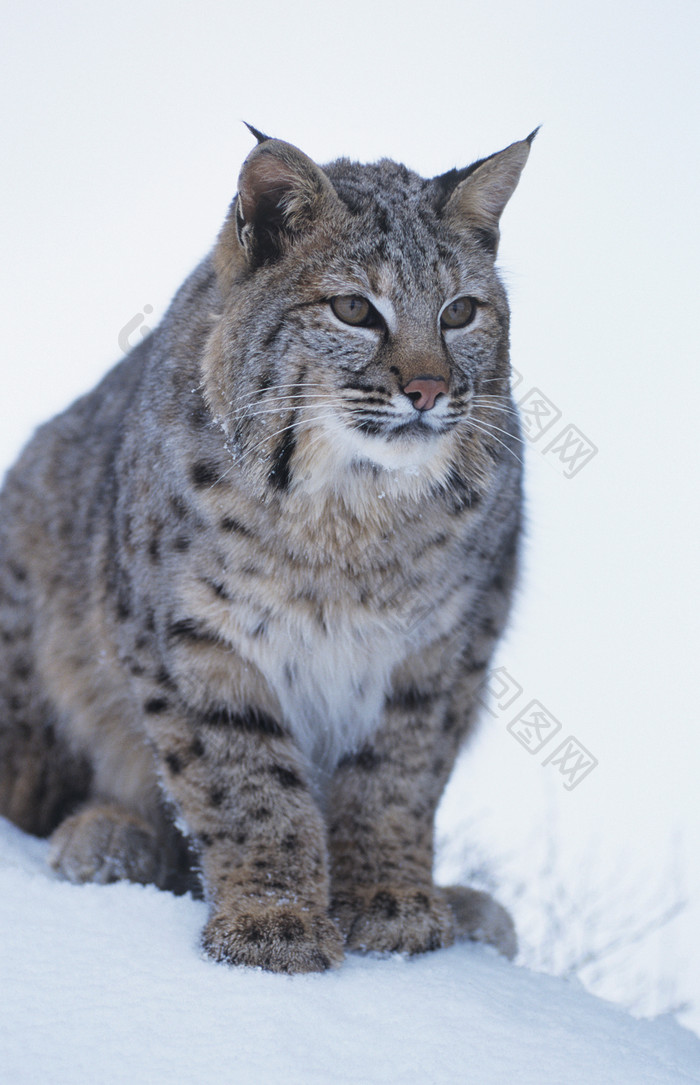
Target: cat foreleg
245,803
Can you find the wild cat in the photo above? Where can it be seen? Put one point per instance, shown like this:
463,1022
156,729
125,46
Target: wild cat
251,584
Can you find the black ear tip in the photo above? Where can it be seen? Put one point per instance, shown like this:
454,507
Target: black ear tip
260,136
528,139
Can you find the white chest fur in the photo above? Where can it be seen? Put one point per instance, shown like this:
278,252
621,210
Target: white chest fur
330,677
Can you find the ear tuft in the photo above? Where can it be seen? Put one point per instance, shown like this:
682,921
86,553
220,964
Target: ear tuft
260,136
479,199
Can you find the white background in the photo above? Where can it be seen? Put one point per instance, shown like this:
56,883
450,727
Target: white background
121,139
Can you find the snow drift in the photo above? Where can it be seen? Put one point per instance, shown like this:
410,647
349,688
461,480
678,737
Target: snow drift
107,983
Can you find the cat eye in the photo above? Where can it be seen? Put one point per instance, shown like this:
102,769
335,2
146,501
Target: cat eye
458,313
355,310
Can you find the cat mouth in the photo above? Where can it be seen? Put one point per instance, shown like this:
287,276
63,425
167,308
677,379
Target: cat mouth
416,428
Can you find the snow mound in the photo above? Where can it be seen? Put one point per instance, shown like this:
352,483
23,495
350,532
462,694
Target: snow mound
107,983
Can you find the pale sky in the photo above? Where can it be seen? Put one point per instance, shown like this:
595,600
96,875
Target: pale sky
122,138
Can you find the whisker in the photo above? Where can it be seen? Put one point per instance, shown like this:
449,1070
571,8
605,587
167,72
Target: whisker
251,412
261,393
284,400
462,411
499,429
485,430
503,408
284,429
240,457
292,385
498,400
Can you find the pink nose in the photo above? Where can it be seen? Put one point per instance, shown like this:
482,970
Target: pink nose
423,391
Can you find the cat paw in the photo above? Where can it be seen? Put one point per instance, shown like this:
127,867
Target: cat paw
104,844
393,919
480,918
278,938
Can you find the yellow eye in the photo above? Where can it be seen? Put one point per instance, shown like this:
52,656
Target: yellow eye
354,310
458,313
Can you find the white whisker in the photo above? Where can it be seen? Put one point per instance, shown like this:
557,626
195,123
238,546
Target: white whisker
238,459
284,429
283,398
251,412
487,432
263,394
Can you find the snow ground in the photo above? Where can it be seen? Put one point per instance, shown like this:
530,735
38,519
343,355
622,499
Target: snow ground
106,983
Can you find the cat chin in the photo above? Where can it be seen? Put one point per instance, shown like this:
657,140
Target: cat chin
417,457
342,456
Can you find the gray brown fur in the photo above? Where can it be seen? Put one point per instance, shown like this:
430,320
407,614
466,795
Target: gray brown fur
243,624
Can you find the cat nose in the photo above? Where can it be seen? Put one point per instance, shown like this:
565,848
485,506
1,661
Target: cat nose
423,391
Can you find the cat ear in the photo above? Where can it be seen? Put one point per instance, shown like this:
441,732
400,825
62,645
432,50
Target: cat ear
281,193
481,192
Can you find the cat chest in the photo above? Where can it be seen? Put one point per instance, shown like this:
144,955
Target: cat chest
326,655
330,678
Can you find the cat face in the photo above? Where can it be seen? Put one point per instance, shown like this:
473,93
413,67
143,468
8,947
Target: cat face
362,305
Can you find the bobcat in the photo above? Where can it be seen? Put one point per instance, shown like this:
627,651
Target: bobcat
250,585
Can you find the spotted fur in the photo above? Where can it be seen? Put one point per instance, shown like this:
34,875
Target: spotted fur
250,585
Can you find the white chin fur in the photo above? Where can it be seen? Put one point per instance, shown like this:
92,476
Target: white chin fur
403,453
334,454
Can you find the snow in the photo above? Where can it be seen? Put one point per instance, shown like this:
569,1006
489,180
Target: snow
107,983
